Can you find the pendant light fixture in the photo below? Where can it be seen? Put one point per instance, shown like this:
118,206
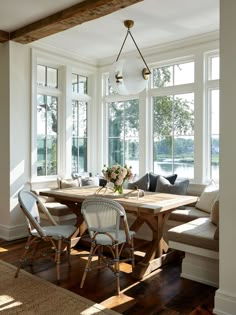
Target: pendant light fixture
129,75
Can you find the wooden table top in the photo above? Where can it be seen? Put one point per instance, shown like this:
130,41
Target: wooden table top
150,203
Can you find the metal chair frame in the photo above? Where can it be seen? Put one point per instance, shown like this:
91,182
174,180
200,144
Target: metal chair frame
54,236
108,227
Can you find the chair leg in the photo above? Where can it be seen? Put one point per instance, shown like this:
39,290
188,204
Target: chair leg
68,252
22,259
58,259
100,255
92,248
117,269
132,251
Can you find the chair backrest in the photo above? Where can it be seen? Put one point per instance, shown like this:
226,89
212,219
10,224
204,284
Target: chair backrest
103,215
30,205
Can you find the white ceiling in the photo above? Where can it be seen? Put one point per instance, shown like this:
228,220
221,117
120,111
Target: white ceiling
156,22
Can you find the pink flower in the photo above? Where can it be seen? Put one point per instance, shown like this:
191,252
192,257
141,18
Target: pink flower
119,182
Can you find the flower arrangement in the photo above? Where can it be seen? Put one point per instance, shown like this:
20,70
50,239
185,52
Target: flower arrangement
117,174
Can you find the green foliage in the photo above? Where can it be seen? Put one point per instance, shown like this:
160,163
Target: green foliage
172,114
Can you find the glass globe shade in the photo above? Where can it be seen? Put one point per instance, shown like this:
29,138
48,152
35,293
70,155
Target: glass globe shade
130,69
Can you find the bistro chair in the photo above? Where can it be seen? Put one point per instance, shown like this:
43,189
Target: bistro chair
56,236
108,227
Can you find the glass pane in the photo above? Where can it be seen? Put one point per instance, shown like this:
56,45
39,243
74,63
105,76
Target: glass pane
52,115
41,156
183,113
41,75
214,68
41,115
116,151
215,149
116,119
184,73
173,129
46,135
83,84
75,83
52,80
82,156
163,77
75,161
131,118
215,146
124,133
79,136
162,155
215,111
162,115
74,118
51,155
184,156
132,154
82,119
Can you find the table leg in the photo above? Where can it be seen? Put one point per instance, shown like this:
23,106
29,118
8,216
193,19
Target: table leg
153,257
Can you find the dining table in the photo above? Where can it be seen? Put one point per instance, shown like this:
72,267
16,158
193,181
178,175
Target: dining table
152,208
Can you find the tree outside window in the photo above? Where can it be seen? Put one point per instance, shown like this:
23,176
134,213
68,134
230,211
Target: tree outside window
123,143
47,122
173,123
79,136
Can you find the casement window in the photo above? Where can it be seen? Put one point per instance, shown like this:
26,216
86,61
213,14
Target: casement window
79,151
60,120
47,121
47,134
79,136
173,132
123,133
79,84
173,119
212,88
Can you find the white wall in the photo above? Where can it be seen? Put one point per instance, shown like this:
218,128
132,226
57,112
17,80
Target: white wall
4,135
15,130
225,299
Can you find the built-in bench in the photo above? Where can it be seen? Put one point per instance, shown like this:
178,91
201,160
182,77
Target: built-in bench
199,239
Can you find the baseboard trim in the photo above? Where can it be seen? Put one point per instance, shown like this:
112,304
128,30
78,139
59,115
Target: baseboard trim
11,233
225,303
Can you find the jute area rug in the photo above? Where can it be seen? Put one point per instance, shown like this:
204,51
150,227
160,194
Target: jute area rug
31,295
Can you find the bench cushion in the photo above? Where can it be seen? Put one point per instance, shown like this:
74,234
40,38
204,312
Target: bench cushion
200,233
186,214
57,208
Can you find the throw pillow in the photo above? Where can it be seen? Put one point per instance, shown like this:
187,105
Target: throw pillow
68,183
153,180
102,181
89,181
207,198
141,183
215,213
164,186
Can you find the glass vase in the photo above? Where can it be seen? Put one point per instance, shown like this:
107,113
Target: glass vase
118,189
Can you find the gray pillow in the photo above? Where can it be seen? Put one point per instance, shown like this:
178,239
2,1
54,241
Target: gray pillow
153,180
88,181
164,186
141,183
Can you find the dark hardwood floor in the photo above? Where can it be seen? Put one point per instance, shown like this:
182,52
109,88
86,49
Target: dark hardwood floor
161,293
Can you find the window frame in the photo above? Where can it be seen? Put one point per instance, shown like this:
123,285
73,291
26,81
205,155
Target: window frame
64,94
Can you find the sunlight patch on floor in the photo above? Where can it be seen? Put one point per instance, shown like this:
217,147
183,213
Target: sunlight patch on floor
7,302
2,250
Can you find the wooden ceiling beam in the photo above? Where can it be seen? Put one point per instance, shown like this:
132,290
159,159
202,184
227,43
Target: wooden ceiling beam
4,36
82,12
